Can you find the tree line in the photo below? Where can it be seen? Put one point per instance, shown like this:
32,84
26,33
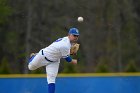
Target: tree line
109,36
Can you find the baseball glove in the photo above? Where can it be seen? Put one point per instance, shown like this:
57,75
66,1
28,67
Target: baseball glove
74,48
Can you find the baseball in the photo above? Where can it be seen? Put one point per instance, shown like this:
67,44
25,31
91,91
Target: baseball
80,19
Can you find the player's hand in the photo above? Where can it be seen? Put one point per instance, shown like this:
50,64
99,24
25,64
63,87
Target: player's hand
74,61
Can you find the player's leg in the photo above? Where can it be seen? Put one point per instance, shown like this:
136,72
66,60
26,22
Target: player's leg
37,61
52,71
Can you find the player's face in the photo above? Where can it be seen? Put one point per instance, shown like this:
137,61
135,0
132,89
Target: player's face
73,38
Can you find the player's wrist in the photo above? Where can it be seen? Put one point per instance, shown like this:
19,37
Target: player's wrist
68,59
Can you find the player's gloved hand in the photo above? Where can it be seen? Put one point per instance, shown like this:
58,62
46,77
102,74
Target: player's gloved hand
74,49
74,61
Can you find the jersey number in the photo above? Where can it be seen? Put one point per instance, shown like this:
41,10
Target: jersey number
58,40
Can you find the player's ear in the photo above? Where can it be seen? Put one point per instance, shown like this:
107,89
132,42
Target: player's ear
69,35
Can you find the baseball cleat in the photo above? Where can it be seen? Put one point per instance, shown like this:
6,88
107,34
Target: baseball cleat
32,55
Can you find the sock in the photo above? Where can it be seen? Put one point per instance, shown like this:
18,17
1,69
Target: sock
51,88
31,58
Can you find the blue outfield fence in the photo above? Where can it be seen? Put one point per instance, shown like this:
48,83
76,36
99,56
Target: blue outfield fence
72,83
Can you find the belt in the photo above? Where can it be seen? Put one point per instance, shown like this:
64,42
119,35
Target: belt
46,57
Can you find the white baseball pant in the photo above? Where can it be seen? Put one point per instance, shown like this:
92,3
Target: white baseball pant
51,67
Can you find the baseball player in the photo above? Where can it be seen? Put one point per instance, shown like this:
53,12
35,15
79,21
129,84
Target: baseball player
51,55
